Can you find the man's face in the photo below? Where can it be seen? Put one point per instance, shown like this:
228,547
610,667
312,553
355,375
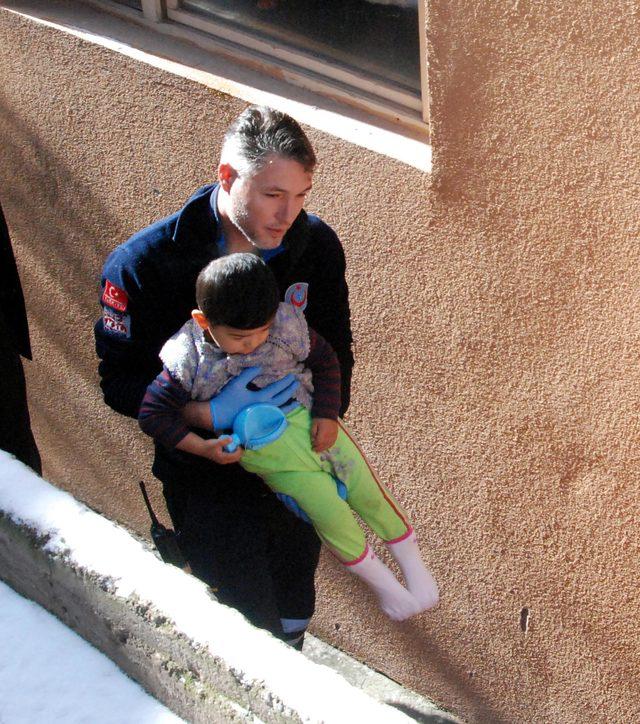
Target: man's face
263,206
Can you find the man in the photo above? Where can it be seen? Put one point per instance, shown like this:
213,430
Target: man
232,530
15,424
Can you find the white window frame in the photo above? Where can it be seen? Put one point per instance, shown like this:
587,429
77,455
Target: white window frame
304,70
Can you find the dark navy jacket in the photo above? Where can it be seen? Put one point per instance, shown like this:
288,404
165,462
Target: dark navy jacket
148,292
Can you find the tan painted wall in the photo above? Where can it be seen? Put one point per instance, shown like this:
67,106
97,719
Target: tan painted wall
496,317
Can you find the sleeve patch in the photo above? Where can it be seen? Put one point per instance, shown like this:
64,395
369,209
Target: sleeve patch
116,323
297,295
115,297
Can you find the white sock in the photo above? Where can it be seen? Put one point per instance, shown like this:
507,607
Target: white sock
393,597
417,576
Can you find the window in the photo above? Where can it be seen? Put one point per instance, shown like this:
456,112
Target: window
370,54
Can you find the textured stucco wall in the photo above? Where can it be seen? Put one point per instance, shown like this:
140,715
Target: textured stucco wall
496,321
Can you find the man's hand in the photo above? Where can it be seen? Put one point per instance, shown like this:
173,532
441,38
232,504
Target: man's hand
324,433
235,396
214,450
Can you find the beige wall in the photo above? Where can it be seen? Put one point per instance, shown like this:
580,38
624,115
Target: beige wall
496,320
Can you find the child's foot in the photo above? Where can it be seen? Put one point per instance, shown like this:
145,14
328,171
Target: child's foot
425,589
398,603
417,576
399,606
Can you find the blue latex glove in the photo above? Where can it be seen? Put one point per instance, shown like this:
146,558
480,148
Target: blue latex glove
292,505
235,396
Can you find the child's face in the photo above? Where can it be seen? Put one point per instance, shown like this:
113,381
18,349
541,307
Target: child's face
239,341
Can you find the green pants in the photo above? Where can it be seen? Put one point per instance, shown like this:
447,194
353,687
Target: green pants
290,466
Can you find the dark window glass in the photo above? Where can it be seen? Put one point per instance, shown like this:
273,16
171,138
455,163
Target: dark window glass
137,4
377,38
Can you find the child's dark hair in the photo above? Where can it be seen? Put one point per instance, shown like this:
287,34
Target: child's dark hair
238,291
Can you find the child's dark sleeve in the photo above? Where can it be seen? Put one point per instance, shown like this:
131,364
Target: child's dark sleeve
159,414
324,366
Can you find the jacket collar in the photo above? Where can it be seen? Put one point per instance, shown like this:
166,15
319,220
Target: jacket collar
198,220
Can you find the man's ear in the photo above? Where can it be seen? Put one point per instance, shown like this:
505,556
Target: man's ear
200,319
226,176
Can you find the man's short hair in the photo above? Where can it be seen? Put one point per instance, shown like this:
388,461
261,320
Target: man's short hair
239,291
259,132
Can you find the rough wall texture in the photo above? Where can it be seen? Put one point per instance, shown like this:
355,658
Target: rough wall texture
496,320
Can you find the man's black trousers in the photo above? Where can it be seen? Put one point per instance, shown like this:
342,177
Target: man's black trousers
15,425
241,540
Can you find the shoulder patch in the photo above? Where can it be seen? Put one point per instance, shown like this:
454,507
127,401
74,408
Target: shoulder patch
297,295
116,323
115,297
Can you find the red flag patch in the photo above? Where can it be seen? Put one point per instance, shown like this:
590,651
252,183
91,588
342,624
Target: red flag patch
115,297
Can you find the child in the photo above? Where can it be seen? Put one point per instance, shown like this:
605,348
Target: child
239,324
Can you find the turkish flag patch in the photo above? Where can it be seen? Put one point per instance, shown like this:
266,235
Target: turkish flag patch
115,297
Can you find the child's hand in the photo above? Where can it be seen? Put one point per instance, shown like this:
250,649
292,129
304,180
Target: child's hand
214,450
324,433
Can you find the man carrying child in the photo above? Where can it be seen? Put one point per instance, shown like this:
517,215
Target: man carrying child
235,534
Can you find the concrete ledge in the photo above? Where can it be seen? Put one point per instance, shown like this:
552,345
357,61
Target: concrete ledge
418,708
163,628
136,636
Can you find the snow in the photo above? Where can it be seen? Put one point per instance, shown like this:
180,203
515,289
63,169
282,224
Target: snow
49,673
92,543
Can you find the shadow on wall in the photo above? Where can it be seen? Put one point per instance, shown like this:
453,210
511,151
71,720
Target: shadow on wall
62,233
411,638
50,202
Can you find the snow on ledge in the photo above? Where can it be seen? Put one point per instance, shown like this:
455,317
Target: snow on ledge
99,546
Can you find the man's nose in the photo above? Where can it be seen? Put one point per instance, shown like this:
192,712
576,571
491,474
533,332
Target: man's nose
288,211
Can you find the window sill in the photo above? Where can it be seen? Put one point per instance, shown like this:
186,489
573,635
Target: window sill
179,50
